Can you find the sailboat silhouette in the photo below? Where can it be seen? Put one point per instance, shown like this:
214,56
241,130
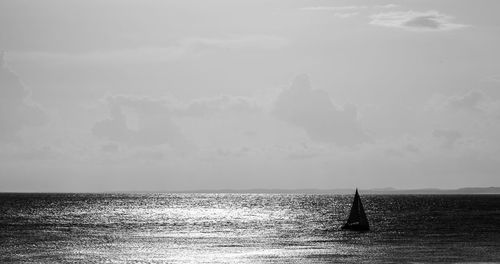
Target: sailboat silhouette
357,218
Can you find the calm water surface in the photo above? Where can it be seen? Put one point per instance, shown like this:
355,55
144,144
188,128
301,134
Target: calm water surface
246,228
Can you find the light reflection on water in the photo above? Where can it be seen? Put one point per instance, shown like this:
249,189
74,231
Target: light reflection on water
245,228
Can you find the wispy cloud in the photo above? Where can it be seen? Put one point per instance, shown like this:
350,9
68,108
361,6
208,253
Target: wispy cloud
346,11
351,8
416,21
333,8
338,11
184,48
241,42
346,15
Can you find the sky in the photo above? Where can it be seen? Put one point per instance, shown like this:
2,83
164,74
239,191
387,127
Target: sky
128,95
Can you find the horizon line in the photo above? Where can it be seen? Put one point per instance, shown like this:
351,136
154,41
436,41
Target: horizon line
378,190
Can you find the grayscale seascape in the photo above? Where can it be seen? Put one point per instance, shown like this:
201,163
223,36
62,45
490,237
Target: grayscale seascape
246,228
239,131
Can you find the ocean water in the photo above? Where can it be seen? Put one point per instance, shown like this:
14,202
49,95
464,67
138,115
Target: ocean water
246,228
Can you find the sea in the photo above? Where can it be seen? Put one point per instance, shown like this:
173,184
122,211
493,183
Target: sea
246,228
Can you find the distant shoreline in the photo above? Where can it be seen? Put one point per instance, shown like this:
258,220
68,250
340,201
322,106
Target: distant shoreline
388,191
466,190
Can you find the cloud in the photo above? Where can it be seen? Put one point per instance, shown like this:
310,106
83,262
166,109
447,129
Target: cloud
139,121
449,137
338,11
149,155
183,49
346,15
233,153
217,105
469,101
333,8
476,102
17,111
351,8
306,152
302,156
28,153
240,42
473,101
346,11
402,151
109,148
482,167
318,116
416,21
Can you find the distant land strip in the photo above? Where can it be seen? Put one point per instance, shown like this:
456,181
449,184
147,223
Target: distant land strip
466,190
349,191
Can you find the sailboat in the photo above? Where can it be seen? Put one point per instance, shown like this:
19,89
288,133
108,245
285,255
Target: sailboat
357,218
